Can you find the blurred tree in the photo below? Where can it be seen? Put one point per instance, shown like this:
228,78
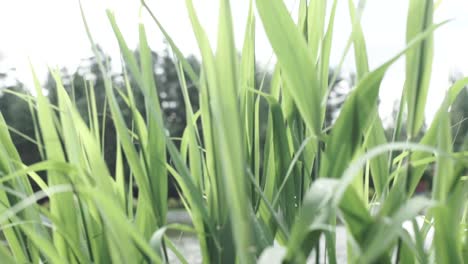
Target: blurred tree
339,90
170,91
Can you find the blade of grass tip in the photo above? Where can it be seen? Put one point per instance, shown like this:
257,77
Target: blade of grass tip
294,133
354,117
226,132
362,67
195,156
359,43
76,135
324,68
129,58
247,81
229,138
156,152
418,63
138,123
302,18
325,54
146,222
35,124
72,146
325,64
62,205
146,83
376,135
156,240
120,124
337,69
81,141
94,121
297,65
126,141
214,194
186,65
316,16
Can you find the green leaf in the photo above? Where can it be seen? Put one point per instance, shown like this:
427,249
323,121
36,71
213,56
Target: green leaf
418,63
297,64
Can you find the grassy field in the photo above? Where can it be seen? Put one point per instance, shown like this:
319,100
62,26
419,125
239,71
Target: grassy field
244,194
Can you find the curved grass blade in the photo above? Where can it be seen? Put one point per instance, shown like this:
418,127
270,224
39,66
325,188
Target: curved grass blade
354,118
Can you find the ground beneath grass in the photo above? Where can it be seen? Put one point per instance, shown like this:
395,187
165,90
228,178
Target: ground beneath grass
188,244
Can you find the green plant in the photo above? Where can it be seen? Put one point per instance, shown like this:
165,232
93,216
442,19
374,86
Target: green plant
243,197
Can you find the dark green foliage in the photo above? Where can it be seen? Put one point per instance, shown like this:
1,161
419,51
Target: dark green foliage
17,114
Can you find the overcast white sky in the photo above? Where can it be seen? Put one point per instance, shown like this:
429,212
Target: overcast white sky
50,32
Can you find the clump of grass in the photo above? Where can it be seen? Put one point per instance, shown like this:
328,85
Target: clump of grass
243,198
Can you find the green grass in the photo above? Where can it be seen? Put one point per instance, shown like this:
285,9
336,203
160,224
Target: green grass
242,197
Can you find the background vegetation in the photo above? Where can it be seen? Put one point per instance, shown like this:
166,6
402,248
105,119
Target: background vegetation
266,164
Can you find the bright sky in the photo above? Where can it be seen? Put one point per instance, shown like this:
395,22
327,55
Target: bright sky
50,32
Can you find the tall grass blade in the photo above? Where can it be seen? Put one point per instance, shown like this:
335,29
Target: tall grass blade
418,63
